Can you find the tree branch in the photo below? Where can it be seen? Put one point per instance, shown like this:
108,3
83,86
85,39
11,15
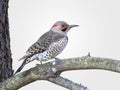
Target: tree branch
87,62
67,83
50,71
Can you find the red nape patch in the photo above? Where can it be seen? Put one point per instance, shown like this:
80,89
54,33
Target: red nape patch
54,25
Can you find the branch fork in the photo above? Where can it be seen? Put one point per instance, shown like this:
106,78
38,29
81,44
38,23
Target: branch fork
51,72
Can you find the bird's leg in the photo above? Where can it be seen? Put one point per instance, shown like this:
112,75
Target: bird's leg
41,62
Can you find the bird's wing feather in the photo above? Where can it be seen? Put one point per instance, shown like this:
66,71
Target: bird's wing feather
42,43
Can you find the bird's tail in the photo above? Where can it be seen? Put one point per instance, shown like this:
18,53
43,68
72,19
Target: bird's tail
21,67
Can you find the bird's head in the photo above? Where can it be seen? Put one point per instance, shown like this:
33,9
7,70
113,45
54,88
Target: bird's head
62,27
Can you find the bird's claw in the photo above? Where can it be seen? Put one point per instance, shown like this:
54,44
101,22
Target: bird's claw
57,59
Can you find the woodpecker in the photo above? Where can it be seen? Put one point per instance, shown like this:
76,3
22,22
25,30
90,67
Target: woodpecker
49,45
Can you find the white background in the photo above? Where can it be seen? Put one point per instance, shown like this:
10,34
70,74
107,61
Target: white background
99,34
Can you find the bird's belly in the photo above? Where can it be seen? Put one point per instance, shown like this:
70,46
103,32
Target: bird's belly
55,49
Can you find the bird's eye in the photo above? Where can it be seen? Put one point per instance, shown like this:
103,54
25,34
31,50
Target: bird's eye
62,25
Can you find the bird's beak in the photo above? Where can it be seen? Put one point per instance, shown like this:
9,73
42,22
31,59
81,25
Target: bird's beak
71,26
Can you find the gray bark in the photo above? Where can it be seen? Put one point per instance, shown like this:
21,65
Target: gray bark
5,52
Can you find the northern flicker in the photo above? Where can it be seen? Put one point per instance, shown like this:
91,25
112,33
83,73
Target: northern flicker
49,45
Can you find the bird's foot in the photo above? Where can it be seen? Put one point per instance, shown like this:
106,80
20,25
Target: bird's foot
40,63
57,60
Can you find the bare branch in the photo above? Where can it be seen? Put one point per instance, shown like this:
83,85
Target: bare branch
67,83
50,71
41,72
87,62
